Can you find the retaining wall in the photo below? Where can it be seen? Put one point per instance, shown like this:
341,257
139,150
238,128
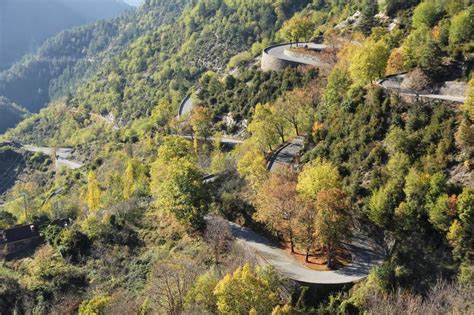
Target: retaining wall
272,63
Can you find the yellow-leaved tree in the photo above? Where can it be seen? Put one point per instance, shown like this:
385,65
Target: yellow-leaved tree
135,180
316,176
247,290
262,135
369,61
93,192
128,181
251,164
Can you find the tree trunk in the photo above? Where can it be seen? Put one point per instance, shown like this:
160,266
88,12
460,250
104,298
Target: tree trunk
282,138
296,129
330,252
292,244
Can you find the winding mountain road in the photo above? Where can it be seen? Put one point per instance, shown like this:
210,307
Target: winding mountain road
186,106
223,140
286,154
394,83
365,255
62,155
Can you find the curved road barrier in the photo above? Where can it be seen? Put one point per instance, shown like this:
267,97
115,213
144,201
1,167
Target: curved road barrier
186,106
279,57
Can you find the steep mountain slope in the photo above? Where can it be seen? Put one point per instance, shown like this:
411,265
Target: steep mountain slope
145,237
25,24
10,114
62,61
164,63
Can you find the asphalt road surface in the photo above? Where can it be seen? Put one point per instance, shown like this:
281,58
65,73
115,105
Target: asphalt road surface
279,52
286,154
365,255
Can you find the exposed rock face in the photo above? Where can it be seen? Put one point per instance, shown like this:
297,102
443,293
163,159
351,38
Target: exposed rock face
417,81
460,174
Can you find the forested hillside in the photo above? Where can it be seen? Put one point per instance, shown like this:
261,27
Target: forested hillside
10,114
325,167
26,24
64,60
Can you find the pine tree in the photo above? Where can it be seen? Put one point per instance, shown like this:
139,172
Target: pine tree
367,18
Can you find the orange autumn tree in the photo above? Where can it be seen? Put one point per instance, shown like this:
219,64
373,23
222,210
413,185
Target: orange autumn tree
277,204
395,63
332,221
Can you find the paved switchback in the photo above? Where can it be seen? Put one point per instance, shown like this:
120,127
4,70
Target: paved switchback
394,83
286,154
365,255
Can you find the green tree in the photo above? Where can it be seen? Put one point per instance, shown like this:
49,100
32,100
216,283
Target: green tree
412,44
298,28
201,296
162,115
367,18
383,202
421,50
425,14
178,189
468,106
128,181
465,205
455,6
295,108
251,164
339,80
94,306
201,122
176,183
393,6
135,179
6,220
462,27
438,213
430,58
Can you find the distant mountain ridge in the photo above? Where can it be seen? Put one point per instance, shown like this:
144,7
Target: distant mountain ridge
26,24
135,3
69,57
